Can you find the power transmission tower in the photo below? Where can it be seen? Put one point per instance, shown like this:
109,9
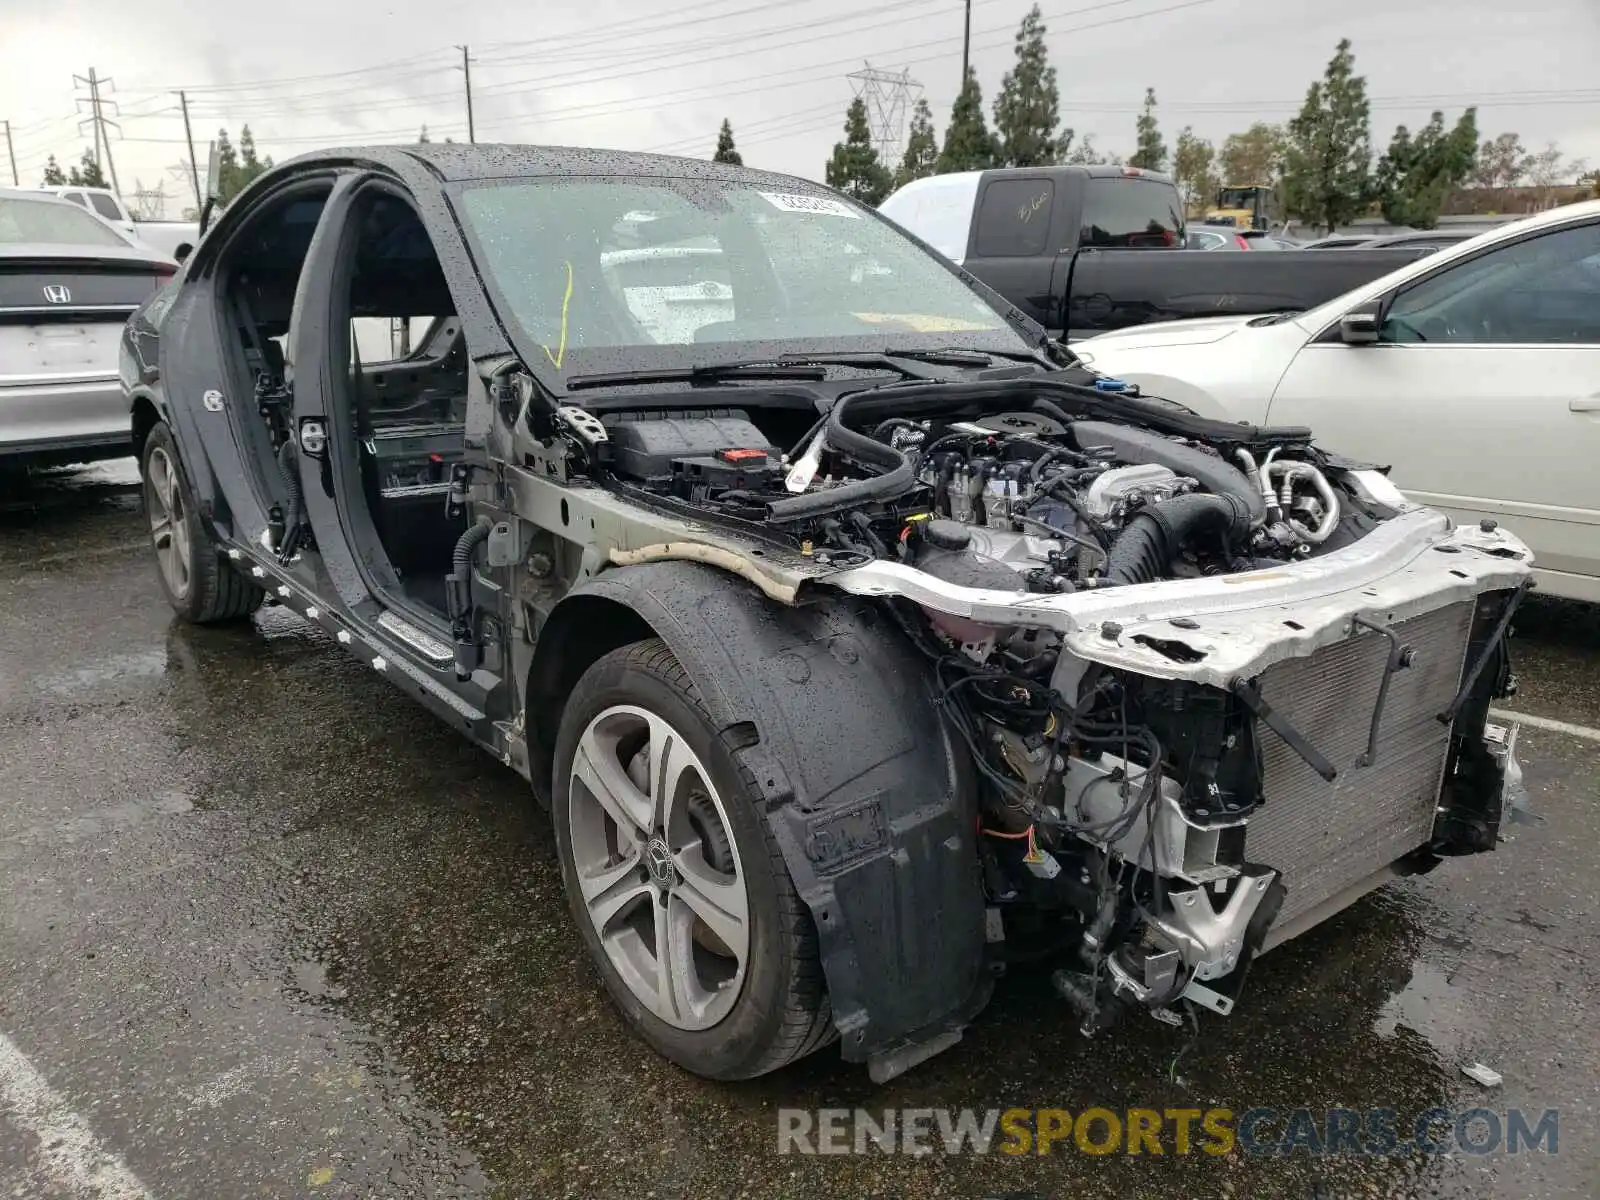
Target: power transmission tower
184,172
888,96
102,123
149,204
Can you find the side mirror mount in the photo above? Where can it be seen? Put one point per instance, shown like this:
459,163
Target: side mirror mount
1360,326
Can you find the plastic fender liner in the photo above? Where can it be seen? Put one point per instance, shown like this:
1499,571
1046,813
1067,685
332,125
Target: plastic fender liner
831,711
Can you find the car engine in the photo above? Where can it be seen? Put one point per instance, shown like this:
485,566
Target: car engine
1011,500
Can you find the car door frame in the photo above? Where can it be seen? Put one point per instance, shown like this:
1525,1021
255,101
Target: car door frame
207,392
351,550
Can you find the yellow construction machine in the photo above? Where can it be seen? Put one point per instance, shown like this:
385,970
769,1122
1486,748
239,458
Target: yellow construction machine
1244,207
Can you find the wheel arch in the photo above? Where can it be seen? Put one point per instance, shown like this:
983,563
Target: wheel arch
832,712
143,417
585,626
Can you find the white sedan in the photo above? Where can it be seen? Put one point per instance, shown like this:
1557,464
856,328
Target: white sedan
1473,372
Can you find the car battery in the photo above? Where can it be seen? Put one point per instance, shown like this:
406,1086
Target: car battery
744,468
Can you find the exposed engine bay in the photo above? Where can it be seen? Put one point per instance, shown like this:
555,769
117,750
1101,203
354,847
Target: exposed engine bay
1042,501
1113,805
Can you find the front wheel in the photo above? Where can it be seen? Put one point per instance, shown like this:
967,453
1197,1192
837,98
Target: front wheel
201,585
678,887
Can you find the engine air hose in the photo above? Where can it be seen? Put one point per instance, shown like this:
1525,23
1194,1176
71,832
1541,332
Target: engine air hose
1132,445
898,478
1153,537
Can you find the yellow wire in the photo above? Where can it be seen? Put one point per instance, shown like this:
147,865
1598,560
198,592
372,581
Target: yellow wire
561,346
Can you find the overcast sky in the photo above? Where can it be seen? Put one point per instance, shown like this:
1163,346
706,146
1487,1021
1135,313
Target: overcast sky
661,74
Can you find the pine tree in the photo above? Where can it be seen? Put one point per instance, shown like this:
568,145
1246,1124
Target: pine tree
53,174
422,137
1150,151
922,147
1327,174
726,152
226,185
1027,110
854,168
1416,174
87,173
967,144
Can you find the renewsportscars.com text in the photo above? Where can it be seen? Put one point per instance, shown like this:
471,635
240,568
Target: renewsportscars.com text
1177,1131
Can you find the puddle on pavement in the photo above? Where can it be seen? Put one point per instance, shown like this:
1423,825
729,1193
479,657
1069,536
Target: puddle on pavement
1432,1007
108,669
114,483
109,819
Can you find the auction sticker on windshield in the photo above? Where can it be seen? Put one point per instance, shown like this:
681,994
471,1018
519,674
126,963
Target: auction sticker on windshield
822,205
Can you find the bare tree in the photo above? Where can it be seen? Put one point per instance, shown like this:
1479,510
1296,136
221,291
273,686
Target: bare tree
1549,169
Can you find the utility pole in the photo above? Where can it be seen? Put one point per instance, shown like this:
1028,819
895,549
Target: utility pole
966,44
98,118
466,69
194,167
11,153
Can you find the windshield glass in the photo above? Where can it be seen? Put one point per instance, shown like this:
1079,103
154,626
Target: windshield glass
53,223
1236,198
621,274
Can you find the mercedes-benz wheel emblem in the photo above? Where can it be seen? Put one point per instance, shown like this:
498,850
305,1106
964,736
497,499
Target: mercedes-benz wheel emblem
658,861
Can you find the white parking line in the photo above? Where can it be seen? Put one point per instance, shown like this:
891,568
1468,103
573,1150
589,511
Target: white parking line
1579,731
69,1156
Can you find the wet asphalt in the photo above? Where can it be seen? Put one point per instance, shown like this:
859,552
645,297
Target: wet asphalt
272,931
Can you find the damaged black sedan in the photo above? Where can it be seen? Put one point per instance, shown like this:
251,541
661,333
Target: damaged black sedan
858,640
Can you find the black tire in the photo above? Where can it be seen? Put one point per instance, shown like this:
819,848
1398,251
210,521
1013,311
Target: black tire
212,589
782,1011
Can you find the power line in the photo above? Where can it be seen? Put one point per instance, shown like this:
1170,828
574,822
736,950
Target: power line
762,125
663,21
252,85
659,53
765,82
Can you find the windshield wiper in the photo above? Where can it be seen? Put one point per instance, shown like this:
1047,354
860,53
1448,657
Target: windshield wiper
906,363
765,368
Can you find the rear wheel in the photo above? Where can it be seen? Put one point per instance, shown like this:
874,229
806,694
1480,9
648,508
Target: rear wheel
201,585
680,892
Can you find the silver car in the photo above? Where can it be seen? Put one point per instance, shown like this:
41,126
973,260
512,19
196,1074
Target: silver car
68,282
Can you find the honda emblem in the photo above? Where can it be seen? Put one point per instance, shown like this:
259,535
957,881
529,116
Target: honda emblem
57,293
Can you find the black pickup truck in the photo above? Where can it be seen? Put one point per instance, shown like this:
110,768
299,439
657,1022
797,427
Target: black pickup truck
1085,249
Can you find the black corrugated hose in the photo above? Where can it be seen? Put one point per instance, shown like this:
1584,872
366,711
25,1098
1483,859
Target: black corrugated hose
1153,537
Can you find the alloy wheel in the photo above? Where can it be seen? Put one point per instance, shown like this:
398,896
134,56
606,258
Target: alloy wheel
169,528
658,867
